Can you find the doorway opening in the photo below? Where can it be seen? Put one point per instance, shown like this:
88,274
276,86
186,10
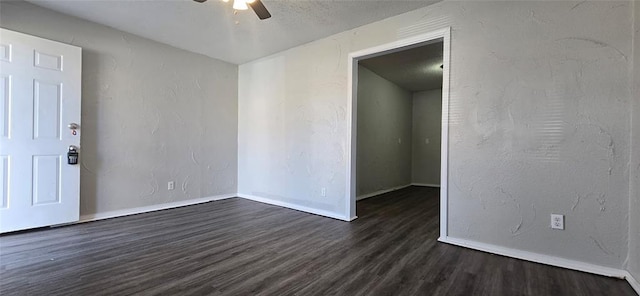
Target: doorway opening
366,65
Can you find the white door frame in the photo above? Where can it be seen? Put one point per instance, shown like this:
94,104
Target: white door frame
352,86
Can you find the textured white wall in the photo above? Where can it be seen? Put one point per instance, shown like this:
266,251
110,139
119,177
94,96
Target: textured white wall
384,134
634,188
539,122
150,113
426,134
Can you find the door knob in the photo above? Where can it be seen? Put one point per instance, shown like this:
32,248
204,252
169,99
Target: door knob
73,126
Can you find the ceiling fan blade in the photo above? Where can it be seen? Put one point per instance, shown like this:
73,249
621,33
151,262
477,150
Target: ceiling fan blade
200,1
259,9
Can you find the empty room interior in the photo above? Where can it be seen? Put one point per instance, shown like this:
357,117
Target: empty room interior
269,147
399,115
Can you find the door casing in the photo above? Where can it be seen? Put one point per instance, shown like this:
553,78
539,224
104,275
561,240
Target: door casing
443,35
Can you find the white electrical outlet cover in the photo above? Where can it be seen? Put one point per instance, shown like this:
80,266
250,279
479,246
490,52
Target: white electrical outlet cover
557,221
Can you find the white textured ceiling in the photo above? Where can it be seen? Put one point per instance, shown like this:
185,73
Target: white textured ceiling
414,69
212,29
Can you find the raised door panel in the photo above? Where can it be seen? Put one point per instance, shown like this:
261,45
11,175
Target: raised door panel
46,179
47,99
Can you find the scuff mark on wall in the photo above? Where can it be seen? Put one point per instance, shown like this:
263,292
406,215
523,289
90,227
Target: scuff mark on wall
185,184
153,187
600,245
193,158
576,203
517,227
595,42
578,4
520,229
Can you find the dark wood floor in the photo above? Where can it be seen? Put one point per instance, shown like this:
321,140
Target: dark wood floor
241,247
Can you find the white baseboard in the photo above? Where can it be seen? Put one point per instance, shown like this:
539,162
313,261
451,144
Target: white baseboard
425,185
152,208
372,194
294,206
633,282
538,258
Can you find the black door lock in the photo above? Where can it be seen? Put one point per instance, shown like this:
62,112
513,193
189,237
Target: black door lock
72,155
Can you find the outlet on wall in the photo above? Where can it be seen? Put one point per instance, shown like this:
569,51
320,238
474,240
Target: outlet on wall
557,221
171,185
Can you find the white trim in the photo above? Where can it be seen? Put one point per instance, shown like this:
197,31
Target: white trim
444,137
295,207
372,194
352,83
425,185
352,118
152,208
538,258
633,282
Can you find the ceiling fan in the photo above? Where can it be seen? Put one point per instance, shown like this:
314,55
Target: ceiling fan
256,5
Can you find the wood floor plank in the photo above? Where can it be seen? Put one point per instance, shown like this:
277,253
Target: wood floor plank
241,247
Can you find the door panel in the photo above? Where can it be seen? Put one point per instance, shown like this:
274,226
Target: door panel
4,180
5,105
47,61
5,52
46,110
46,179
39,97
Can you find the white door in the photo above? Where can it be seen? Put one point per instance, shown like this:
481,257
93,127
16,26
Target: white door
39,99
